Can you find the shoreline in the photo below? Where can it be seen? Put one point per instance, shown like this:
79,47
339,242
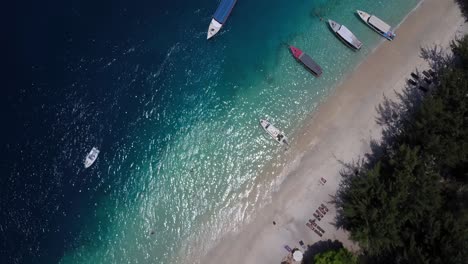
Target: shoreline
339,130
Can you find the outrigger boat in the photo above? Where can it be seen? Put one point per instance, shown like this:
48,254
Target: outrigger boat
377,25
91,157
345,35
274,132
306,60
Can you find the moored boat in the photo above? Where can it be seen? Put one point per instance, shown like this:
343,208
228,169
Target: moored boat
274,132
91,157
377,25
345,35
220,16
305,59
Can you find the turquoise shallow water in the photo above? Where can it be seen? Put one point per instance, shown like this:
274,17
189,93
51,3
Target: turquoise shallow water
200,183
176,119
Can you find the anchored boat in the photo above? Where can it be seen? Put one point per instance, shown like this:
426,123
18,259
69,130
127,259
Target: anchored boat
274,132
377,25
345,35
305,59
91,157
220,16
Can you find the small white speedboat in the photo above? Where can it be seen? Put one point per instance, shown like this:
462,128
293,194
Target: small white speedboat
91,157
274,132
377,25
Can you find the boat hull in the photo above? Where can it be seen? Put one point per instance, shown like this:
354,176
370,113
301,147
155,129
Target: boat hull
220,16
345,35
274,132
213,29
385,32
306,60
91,157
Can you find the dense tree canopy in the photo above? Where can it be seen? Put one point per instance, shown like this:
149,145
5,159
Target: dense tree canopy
408,203
340,256
440,126
464,7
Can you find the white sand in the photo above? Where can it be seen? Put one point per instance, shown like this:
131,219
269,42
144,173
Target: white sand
341,129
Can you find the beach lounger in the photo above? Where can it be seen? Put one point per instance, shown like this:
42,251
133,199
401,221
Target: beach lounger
324,208
313,229
319,228
422,88
289,249
415,76
303,245
317,215
315,225
427,81
433,74
426,74
412,82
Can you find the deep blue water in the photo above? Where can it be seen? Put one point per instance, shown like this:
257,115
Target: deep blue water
76,63
168,110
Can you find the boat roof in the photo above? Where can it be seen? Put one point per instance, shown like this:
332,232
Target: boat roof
311,64
347,35
272,129
223,11
379,24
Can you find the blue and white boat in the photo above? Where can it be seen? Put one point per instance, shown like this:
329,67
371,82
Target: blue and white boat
377,25
220,17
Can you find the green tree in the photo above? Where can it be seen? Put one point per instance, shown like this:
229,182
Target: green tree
340,256
389,197
439,128
408,203
464,7
460,51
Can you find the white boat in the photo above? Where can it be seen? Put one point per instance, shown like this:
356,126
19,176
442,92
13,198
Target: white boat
213,29
377,25
345,35
91,157
274,132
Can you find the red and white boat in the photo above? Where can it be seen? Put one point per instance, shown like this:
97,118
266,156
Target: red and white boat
305,59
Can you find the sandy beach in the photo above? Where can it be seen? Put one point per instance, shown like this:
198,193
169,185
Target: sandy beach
340,130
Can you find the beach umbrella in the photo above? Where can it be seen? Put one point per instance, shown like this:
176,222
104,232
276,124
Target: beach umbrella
297,255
